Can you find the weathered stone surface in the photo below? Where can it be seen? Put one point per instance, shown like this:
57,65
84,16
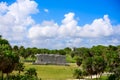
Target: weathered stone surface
50,59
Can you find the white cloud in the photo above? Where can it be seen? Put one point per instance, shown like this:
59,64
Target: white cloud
99,28
43,31
3,7
15,19
18,26
116,29
69,33
68,26
46,10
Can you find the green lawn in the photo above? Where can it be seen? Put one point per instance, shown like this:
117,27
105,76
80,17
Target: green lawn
53,72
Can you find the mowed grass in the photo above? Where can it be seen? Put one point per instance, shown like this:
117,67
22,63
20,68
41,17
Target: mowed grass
53,72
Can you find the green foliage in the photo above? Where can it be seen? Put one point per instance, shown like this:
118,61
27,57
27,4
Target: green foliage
98,64
31,72
94,65
3,41
19,67
87,65
78,60
8,58
69,59
20,77
77,73
112,77
62,52
116,73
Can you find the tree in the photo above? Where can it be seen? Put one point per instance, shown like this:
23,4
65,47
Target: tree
82,52
22,51
62,52
78,61
8,59
4,46
67,50
117,73
99,65
87,66
20,67
15,48
115,68
0,36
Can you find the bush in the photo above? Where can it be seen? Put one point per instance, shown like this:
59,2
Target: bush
21,77
31,72
112,77
84,73
77,73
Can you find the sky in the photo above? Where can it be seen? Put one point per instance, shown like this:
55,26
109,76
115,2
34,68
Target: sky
56,24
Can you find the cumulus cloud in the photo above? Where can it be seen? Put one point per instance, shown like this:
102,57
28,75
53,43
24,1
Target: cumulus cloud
15,18
98,28
70,34
48,29
68,26
18,26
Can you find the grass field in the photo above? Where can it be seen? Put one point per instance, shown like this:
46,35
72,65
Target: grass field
53,72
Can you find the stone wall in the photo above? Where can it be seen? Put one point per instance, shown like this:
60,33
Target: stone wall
50,59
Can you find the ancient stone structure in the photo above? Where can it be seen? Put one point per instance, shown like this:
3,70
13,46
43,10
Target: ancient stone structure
50,59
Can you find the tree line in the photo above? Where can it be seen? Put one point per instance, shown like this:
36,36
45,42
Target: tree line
94,61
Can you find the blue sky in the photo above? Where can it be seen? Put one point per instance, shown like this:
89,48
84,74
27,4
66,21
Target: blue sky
86,10
58,24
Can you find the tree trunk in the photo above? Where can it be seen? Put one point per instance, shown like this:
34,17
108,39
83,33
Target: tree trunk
91,77
96,76
100,75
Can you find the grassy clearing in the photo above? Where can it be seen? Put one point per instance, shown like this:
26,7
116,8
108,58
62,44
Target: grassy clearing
52,72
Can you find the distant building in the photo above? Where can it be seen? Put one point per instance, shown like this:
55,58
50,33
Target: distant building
50,59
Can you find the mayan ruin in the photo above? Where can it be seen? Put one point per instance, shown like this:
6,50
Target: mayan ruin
54,59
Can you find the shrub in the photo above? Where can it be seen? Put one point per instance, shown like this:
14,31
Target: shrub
77,73
21,77
112,77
